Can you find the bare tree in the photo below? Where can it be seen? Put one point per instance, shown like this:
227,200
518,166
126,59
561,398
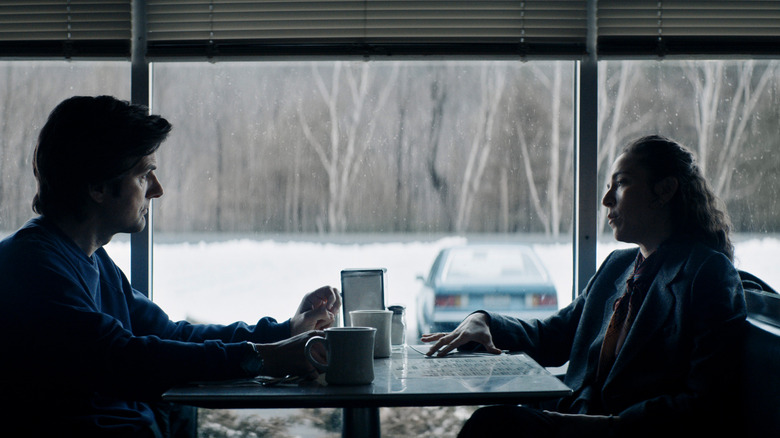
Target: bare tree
722,113
340,151
546,192
493,81
438,180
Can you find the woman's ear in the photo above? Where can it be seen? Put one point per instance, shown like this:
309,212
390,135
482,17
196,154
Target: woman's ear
665,190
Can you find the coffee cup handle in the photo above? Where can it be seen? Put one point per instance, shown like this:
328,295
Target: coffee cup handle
321,367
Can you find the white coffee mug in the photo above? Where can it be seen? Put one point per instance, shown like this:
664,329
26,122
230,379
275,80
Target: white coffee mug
380,320
349,354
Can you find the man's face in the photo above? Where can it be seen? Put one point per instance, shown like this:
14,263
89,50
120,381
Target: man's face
629,200
125,211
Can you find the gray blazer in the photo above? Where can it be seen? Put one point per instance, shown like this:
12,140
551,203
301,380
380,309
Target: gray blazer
679,355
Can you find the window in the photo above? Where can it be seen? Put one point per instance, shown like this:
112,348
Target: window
280,174
726,112
264,198
277,175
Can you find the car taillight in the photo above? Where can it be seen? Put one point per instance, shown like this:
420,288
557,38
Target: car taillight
449,301
541,300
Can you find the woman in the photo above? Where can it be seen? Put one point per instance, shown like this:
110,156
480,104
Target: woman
650,342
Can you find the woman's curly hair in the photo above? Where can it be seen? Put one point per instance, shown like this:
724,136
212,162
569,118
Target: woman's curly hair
696,211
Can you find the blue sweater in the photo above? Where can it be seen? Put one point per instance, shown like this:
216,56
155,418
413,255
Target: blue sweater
81,345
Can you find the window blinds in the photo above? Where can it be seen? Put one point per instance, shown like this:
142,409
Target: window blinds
687,27
65,28
556,29
367,27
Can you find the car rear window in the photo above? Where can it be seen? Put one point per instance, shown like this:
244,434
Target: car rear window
494,265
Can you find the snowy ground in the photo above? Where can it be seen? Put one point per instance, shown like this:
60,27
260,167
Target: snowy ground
244,279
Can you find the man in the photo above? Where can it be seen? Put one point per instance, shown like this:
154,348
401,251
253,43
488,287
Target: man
652,341
84,353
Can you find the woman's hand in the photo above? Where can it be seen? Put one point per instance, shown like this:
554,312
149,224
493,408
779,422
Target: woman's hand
475,328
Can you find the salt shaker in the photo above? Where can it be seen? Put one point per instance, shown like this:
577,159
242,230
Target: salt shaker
398,331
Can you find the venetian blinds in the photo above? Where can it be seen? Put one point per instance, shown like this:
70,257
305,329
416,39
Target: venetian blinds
540,28
65,28
368,27
687,27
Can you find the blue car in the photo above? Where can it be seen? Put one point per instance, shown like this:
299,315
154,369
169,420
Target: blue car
505,278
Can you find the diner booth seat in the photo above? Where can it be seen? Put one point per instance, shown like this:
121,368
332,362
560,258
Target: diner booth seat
760,375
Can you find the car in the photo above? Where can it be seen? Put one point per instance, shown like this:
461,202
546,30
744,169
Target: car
505,278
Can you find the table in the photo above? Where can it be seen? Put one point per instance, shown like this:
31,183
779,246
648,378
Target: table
407,378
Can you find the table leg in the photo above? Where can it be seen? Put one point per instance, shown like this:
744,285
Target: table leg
361,423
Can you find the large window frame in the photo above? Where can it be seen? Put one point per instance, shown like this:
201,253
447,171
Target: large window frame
585,219
586,138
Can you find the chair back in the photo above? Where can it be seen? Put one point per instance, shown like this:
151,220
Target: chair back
760,375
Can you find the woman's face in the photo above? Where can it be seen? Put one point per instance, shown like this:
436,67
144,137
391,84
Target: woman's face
634,210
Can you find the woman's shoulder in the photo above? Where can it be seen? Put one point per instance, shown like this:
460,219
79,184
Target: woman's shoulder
615,264
702,253
621,256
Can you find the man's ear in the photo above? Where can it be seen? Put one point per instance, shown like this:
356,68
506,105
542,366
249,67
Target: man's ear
98,192
665,190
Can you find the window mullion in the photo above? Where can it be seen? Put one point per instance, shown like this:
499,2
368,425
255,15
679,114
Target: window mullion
586,160
141,242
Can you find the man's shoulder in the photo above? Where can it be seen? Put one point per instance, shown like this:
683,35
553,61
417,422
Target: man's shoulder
34,237
37,249
12,243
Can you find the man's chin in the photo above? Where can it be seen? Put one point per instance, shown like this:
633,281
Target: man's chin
137,227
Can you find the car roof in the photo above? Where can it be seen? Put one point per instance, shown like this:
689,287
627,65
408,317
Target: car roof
491,264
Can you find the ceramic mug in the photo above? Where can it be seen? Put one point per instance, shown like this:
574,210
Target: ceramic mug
349,355
380,320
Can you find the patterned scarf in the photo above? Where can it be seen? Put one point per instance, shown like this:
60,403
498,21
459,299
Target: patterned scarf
625,310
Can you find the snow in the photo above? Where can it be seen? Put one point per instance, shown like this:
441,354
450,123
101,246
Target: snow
244,279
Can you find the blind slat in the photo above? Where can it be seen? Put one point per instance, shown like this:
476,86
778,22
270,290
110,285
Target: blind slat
648,26
59,25
562,23
688,27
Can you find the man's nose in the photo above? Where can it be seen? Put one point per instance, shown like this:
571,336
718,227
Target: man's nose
155,188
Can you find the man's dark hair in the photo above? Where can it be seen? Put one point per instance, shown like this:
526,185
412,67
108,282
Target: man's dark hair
90,140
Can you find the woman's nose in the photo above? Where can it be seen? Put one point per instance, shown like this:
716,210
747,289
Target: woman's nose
608,199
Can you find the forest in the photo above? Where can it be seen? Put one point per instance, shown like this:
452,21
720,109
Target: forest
406,146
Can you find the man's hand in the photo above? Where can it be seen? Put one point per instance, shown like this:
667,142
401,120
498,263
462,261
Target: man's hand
474,328
317,311
286,357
